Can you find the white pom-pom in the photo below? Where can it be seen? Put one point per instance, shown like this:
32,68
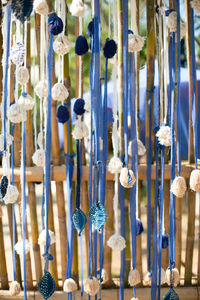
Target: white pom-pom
141,148
173,278
41,89
80,130
41,7
61,45
134,277
42,238
164,136
195,180
39,158
15,288
91,286
26,101
9,140
195,4
115,165
127,178
104,276
11,194
19,247
172,21
69,285
135,42
77,8
178,186
16,113
148,278
22,75
59,92
116,242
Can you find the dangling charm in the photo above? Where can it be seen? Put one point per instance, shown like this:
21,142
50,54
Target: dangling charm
46,285
97,215
79,220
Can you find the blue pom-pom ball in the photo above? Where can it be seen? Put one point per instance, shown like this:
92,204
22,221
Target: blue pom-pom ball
90,29
139,227
109,49
62,114
81,46
79,106
130,31
55,24
165,241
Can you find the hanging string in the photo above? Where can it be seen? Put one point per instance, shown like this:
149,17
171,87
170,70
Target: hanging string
134,163
81,205
178,66
194,112
13,205
172,229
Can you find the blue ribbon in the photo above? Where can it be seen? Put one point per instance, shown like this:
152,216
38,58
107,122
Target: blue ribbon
5,88
172,220
134,162
178,89
194,113
155,246
149,162
23,183
161,217
48,147
81,237
13,205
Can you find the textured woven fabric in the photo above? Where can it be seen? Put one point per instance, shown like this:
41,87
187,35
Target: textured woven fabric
97,215
79,220
46,285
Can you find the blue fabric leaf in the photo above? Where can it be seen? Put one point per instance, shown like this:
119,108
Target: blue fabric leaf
46,285
171,295
79,220
97,215
3,186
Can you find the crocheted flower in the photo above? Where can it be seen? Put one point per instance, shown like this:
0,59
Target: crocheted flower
77,8
80,130
135,42
91,286
178,186
22,75
70,285
134,277
26,101
19,247
15,288
17,53
16,113
61,45
11,194
9,140
59,92
41,89
115,165
164,136
39,158
116,242
41,7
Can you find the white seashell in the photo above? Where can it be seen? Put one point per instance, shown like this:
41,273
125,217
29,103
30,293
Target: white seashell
127,178
141,148
91,286
195,180
134,277
16,113
175,277
11,194
39,158
104,276
116,242
172,21
69,285
115,165
178,186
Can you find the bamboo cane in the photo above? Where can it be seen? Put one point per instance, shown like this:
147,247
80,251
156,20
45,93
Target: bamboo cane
3,267
31,186
191,195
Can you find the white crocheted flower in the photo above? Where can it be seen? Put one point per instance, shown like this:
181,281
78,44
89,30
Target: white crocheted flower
70,285
77,8
11,194
16,113
61,45
178,186
91,286
17,53
15,288
115,165
39,158
41,89
26,101
41,7
134,277
59,92
135,42
164,136
80,130
19,247
174,277
22,75
42,238
116,242
9,140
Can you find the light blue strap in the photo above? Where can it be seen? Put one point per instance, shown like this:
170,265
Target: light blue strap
13,205
123,233
81,204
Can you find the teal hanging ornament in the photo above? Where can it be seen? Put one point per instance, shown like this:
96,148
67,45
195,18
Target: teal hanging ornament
79,220
46,285
3,186
97,215
171,295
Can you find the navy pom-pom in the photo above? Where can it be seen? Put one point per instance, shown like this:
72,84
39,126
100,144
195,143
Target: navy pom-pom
79,106
22,9
130,31
90,29
3,186
139,227
165,241
81,46
62,114
55,24
109,49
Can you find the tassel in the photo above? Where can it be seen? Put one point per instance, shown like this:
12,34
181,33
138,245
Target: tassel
22,9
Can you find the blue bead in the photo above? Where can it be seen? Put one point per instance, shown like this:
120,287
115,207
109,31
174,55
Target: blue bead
90,29
55,24
79,220
24,94
62,114
139,227
165,241
97,215
3,186
109,49
46,285
130,31
81,46
171,295
79,106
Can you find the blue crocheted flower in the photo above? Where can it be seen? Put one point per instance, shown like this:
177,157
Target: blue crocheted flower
97,215
62,114
109,49
81,46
